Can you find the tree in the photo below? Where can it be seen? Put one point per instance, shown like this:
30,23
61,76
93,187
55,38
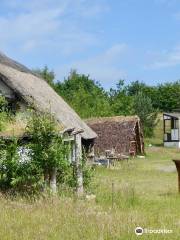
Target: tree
169,96
144,109
120,102
135,87
84,95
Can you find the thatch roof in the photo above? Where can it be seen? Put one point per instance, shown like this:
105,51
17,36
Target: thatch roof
11,63
119,119
37,92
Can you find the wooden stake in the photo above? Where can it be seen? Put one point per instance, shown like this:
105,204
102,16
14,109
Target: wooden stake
112,194
53,186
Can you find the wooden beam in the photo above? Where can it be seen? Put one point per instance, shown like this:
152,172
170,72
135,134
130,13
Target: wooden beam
78,164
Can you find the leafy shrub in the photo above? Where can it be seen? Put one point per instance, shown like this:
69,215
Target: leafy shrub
18,175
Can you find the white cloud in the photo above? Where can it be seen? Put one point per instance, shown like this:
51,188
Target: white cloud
33,25
49,28
166,59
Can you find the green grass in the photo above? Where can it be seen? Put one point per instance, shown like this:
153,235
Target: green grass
143,195
140,192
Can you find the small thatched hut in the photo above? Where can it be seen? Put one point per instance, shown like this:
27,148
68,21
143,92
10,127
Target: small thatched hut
120,134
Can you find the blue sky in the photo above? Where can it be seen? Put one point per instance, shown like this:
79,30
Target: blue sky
108,39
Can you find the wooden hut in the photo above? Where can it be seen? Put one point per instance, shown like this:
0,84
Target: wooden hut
119,134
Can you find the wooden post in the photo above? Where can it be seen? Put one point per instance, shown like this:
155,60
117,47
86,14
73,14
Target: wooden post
108,163
78,164
177,163
53,186
112,193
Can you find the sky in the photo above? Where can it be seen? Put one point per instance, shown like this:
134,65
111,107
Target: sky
107,39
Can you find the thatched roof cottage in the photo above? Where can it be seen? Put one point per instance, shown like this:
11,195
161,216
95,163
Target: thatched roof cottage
120,134
23,88
21,85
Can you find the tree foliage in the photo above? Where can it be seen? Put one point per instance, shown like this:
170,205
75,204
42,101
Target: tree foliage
86,96
169,96
120,102
144,109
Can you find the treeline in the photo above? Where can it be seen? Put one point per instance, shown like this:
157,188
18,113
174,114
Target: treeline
89,99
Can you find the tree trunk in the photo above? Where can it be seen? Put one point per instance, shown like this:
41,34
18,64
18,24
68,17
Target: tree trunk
53,186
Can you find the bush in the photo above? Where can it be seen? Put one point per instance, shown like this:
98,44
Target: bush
18,175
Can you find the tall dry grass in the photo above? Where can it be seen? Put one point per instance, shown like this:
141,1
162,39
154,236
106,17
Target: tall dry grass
141,192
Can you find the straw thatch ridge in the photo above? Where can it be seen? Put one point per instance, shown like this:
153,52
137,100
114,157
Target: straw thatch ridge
112,119
119,133
11,63
37,92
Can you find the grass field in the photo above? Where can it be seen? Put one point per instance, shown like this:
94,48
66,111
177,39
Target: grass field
141,192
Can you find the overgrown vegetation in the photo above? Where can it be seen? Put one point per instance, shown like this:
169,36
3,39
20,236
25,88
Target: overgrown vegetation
18,174
41,163
47,149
